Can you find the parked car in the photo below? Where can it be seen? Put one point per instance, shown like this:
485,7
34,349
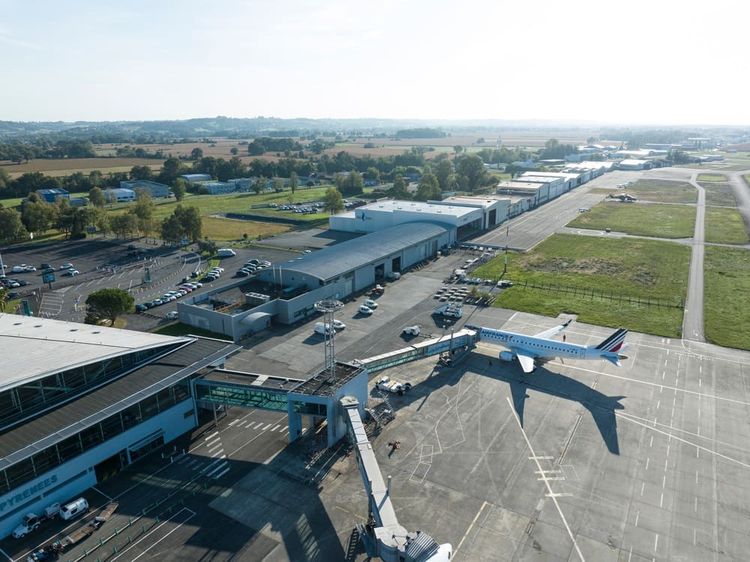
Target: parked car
338,325
323,328
371,304
141,308
389,385
172,315
74,508
242,273
66,266
71,272
226,253
157,302
366,310
504,283
411,331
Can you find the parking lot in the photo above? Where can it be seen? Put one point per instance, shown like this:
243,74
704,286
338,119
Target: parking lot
115,264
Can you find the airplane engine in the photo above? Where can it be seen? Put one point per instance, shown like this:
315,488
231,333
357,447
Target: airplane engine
506,356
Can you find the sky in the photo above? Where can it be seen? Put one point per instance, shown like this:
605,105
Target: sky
665,62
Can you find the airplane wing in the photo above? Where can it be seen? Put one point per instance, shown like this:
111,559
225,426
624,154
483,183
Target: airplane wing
527,363
547,334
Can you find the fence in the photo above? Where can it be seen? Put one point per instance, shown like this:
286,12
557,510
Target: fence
584,292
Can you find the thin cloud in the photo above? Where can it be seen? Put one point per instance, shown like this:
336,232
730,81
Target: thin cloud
14,42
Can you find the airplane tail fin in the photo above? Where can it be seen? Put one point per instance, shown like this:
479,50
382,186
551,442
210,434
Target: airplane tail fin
614,342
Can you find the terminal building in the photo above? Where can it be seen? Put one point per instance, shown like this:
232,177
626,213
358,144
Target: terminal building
78,403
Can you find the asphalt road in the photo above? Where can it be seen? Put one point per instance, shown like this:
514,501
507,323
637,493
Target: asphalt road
692,320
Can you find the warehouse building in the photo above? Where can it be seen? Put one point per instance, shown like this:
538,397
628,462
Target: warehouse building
385,214
52,195
495,210
154,189
287,293
537,192
79,403
119,195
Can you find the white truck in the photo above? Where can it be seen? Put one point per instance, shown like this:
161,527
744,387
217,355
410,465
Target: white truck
389,385
31,521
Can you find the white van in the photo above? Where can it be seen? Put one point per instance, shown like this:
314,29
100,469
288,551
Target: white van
74,508
226,253
323,328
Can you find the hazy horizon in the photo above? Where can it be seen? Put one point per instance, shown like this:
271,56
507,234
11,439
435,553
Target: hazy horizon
658,64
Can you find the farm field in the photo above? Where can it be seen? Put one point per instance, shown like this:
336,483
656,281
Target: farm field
223,229
726,305
725,226
65,166
614,269
731,162
641,219
662,191
718,193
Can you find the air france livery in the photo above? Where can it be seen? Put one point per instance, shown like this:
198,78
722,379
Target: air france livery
540,346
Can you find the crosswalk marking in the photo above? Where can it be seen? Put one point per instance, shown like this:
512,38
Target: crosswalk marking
277,426
266,428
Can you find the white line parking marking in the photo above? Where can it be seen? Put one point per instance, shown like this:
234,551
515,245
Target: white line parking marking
222,473
218,468
212,435
216,446
192,514
265,428
277,426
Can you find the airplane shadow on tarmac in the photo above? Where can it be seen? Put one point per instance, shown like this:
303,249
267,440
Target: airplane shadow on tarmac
601,406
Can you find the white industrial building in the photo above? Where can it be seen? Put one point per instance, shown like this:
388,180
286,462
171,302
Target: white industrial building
538,192
633,164
380,215
594,167
495,210
119,195
556,186
153,188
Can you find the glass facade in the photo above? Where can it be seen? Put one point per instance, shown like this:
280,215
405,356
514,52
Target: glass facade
87,439
245,396
23,401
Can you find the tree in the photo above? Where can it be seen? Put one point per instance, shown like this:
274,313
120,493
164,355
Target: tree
399,191
209,247
140,173
196,153
183,223
4,181
351,184
124,225
470,169
38,217
372,174
179,189
3,298
444,174
144,210
11,227
96,196
458,149
333,200
108,304
171,170
234,151
171,229
278,185
429,188
293,181
259,185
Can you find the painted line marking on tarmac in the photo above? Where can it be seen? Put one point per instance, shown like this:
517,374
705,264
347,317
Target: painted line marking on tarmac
471,526
222,473
266,428
218,468
549,488
212,435
5,554
215,446
192,514
102,493
277,426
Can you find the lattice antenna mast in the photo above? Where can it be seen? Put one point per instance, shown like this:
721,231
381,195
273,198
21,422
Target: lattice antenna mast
329,307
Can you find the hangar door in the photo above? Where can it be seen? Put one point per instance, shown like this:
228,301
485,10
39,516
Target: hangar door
492,218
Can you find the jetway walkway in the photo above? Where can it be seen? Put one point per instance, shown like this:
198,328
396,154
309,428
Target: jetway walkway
461,341
383,536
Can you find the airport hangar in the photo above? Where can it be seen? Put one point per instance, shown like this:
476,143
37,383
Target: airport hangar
79,402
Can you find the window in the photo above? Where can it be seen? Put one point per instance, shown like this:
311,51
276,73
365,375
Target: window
20,472
91,437
165,398
149,407
46,460
69,448
112,426
182,390
131,416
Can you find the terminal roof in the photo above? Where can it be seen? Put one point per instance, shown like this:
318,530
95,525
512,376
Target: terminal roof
41,346
334,261
45,430
321,384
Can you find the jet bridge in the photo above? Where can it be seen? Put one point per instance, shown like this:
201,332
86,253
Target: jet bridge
383,536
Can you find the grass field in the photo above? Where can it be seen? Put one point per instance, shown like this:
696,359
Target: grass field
12,202
719,193
726,302
662,191
66,166
725,226
712,177
661,221
639,269
219,228
747,179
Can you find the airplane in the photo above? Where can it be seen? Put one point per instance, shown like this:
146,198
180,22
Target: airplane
529,349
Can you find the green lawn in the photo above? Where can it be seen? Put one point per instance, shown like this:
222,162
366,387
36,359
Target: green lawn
726,303
719,193
725,226
612,268
712,177
747,179
642,219
663,191
12,202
